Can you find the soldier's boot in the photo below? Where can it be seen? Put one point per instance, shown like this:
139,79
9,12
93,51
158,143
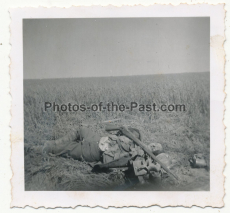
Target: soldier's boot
51,148
48,149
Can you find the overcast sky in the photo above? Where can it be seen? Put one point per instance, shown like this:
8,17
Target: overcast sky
66,48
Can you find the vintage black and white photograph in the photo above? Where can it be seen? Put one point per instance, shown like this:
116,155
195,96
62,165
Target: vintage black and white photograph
116,104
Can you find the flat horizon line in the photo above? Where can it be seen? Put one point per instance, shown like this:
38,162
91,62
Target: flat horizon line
118,76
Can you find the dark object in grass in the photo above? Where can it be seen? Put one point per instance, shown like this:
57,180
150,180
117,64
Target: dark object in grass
198,161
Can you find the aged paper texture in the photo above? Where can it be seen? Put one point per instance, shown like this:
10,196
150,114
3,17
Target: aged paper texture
117,106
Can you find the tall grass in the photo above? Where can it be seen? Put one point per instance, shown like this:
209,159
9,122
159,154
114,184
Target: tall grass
181,133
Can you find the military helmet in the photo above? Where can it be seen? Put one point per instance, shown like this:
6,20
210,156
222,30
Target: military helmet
156,148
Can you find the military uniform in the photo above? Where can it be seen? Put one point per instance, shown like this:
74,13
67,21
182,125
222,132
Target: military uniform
114,151
83,144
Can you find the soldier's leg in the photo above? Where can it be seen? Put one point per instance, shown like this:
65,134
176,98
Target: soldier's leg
74,135
79,134
60,145
56,146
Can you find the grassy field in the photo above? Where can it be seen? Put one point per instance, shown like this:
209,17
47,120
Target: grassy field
181,134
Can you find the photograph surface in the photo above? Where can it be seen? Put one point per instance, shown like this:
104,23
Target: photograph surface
118,106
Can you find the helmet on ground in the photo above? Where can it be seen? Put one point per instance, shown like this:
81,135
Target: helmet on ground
156,148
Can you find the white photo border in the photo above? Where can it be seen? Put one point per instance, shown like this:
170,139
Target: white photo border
214,197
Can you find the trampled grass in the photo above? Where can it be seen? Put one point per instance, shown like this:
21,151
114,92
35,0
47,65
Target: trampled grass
181,134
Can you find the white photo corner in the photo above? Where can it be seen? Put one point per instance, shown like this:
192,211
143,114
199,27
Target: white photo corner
118,106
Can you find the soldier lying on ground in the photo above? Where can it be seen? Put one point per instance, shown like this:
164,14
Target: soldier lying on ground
114,151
